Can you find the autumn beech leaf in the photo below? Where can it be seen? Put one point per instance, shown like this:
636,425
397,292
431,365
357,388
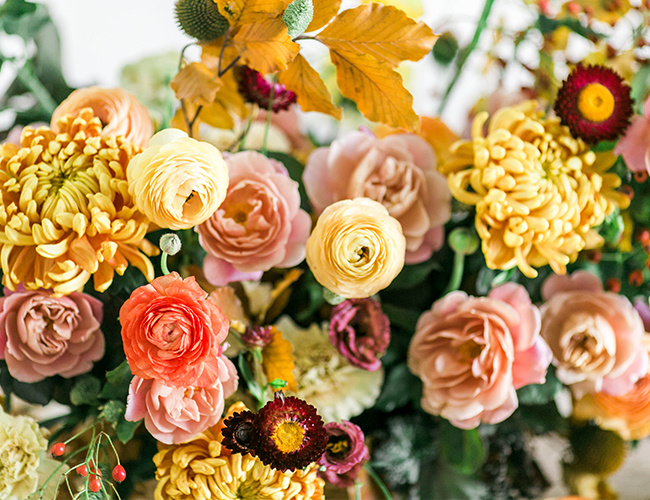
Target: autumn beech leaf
265,46
376,88
196,83
381,31
324,11
249,11
312,93
277,361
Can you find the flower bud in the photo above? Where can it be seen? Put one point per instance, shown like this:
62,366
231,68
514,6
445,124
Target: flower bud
170,243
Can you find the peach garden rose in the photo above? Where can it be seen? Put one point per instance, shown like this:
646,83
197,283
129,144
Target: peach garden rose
472,353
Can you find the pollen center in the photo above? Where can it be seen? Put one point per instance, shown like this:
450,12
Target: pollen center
596,103
288,437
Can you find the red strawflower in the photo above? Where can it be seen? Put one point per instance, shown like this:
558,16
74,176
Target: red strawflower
258,90
595,103
238,432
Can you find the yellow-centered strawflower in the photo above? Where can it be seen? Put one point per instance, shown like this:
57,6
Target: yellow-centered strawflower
203,468
538,191
66,212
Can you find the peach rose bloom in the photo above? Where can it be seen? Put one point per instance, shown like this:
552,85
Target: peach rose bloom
177,182
259,225
119,110
398,171
172,333
595,335
42,336
356,248
472,353
173,415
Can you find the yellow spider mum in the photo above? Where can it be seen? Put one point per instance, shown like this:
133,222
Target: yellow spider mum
538,191
66,212
202,468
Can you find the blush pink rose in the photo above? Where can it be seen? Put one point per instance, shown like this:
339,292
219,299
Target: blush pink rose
398,171
634,146
260,224
42,336
473,352
173,415
595,336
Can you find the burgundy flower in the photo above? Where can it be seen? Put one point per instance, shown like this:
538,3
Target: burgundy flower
360,331
258,90
257,336
345,454
238,431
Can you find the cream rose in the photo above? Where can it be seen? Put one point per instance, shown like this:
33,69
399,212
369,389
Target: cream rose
178,182
356,248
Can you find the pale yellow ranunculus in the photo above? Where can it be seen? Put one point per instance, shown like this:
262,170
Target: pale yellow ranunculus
178,182
356,248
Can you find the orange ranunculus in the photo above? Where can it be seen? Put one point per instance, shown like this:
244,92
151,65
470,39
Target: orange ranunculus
119,110
171,333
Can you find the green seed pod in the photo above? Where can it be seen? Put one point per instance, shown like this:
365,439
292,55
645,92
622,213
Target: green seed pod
297,17
445,49
201,19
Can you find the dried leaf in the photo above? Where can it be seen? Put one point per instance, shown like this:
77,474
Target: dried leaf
312,93
227,103
324,11
249,11
381,31
277,361
439,135
196,83
279,296
211,52
265,46
376,88
180,122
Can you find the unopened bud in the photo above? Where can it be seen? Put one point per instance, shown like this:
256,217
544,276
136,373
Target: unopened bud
170,243
463,240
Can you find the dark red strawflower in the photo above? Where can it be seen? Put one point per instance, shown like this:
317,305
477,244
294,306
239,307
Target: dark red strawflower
238,431
258,90
595,103
288,434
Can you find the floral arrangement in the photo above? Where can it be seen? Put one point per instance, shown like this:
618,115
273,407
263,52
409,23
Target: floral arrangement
226,306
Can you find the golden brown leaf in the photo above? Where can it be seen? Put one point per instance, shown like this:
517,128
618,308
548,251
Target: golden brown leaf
249,11
216,115
265,46
277,361
439,135
196,83
227,103
381,31
180,122
324,11
211,52
312,93
376,88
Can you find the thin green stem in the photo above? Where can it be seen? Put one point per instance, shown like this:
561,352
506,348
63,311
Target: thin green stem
59,468
28,77
269,112
375,477
357,491
163,263
456,273
466,52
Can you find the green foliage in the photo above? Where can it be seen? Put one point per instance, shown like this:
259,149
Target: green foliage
85,390
297,16
540,394
445,49
547,25
113,411
414,275
612,228
295,169
400,388
641,87
463,450
125,429
117,382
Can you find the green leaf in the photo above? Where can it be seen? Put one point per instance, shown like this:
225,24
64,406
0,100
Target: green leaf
463,450
414,275
297,16
295,169
547,25
24,20
85,390
612,228
113,411
540,394
439,481
400,388
125,430
17,8
406,319
641,87
117,385
254,388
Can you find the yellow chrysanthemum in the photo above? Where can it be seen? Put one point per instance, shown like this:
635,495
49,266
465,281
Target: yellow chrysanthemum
66,212
538,191
202,468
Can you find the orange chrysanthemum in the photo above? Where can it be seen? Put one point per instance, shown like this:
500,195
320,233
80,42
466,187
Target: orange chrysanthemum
66,212
538,191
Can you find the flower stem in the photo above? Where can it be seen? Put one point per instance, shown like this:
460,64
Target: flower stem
28,78
357,491
375,477
163,263
269,112
456,273
466,52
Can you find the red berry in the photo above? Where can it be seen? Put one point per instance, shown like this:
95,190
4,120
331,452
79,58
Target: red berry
94,484
642,235
58,449
119,474
613,285
82,470
636,277
640,177
595,256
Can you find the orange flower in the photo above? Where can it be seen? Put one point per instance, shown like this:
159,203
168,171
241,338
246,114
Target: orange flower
119,110
171,333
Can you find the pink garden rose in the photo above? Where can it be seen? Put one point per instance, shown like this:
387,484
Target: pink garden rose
173,415
42,336
260,224
399,171
595,336
473,352
634,146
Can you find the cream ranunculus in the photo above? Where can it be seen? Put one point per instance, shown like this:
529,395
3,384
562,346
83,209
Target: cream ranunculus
356,248
178,182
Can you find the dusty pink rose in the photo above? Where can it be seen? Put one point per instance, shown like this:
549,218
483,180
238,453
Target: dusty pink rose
595,335
634,146
399,171
260,224
472,353
42,336
173,415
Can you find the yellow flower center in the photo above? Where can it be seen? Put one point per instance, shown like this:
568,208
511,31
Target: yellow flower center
596,102
239,212
288,437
